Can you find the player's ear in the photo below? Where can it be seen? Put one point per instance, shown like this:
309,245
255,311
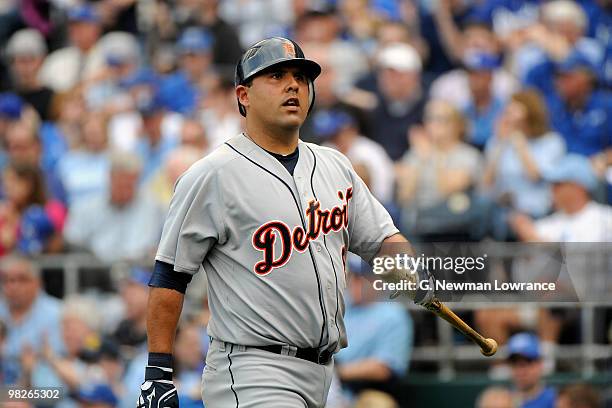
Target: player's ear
242,93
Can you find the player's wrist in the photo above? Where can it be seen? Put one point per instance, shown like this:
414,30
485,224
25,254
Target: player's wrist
159,367
160,360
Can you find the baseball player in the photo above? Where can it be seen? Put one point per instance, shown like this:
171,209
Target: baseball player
270,218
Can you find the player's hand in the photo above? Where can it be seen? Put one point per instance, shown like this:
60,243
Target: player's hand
157,394
158,391
425,293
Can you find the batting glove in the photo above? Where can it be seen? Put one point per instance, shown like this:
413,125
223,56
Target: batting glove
425,293
158,390
424,281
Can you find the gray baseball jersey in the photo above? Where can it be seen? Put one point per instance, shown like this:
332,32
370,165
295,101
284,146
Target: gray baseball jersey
273,245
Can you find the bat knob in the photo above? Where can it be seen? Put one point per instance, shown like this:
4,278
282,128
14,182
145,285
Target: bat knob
489,348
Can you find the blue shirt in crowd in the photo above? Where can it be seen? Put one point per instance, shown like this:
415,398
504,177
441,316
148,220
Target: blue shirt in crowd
587,131
43,321
83,175
546,399
482,123
153,157
382,331
178,94
531,197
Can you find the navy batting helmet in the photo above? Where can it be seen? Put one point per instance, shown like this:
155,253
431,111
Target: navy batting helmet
270,52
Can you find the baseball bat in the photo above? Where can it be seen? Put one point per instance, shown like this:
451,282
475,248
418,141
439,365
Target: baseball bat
488,347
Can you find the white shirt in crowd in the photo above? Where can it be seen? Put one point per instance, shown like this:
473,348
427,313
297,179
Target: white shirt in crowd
454,87
64,68
592,224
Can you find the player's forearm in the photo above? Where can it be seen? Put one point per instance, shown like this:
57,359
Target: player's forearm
364,370
164,310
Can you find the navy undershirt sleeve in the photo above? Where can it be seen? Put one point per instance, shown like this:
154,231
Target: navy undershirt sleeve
164,276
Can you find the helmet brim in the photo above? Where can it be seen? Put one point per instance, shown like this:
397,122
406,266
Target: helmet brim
310,68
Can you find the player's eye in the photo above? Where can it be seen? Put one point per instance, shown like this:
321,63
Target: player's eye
276,74
300,77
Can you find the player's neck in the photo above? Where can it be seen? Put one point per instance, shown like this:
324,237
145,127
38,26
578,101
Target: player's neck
277,141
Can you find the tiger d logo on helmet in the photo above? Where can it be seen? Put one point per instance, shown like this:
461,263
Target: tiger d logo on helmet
270,52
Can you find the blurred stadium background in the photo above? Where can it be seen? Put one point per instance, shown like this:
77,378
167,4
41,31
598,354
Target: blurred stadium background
471,120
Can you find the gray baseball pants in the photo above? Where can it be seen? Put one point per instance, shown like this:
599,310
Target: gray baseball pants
246,377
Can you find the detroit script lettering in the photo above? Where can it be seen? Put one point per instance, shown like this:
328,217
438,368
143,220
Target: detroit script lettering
318,222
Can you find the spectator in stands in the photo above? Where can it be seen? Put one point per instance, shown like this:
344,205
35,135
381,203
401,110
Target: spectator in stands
194,135
484,108
340,129
65,68
189,362
506,17
375,399
495,397
83,171
577,218
72,368
579,111
255,22
578,396
184,14
525,360
381,354
124,224
333,93
28,313
155,141
111,362
62,131
184,90
437,175
227,48
478,49
396,31
131,333
138,89
440,24
11,107
24,145
122,61
27,50
517,157
323,28
560,33
29,221
219,115
162,183
400,98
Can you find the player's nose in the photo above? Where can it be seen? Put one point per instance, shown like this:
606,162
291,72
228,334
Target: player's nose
292,82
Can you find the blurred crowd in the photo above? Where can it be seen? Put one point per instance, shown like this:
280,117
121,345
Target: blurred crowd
468,119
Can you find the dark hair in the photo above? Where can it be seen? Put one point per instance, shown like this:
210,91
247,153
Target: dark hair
32,174
581,396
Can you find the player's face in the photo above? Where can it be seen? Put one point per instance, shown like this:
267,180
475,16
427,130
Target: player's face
279,97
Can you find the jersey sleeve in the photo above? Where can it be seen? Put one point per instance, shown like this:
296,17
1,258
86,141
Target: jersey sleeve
369,221
194,222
